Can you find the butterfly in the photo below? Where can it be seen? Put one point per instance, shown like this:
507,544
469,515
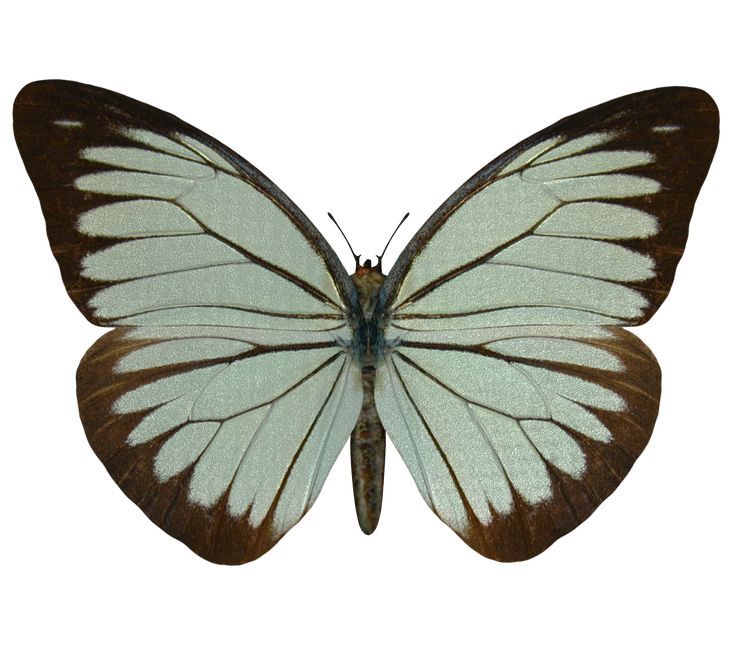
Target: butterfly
243,355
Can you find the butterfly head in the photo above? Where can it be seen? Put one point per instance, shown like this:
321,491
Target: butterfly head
367,269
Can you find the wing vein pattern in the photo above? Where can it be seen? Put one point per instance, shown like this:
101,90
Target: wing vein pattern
232,378
234,431
226,391
509,387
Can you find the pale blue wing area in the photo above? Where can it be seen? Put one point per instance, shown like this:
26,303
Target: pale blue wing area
490,421
583,223
198,243
540,230
249,421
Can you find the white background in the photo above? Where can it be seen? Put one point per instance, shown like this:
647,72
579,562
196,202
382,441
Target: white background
368,112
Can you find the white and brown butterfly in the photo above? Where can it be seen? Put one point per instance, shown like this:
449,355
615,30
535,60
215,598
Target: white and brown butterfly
243,355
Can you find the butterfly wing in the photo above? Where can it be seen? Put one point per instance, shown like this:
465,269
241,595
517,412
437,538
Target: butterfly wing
223,397
509,388
155,222
222,436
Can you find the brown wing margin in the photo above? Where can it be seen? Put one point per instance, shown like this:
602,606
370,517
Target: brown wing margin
683,157
533,529
213,533
529,529
50,155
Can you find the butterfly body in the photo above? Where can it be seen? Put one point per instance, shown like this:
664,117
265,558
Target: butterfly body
243,356
368,439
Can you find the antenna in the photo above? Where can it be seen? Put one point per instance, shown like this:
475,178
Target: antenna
356,257
380,257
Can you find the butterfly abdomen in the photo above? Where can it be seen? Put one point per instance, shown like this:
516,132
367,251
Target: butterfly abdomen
367,456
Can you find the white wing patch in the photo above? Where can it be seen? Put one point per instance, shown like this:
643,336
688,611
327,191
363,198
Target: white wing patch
187,218
595,220
187,350
546,225
208,153
68,123
575,146
143,160
585,257
159,255
156,142
488,413
259,425
135,219
233,315
408,433
243,286
586,164
531,154
484,222
502,316
492,287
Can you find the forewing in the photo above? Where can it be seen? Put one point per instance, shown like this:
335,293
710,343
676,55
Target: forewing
223,436
514,435
154,222
583,223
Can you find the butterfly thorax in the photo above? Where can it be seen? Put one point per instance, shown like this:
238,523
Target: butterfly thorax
368,281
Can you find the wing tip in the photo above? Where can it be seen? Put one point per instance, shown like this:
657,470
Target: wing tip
33,92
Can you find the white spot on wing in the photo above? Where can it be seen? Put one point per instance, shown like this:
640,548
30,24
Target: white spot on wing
67,123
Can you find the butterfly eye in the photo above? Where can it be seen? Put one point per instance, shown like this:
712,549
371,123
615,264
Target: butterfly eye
367,263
